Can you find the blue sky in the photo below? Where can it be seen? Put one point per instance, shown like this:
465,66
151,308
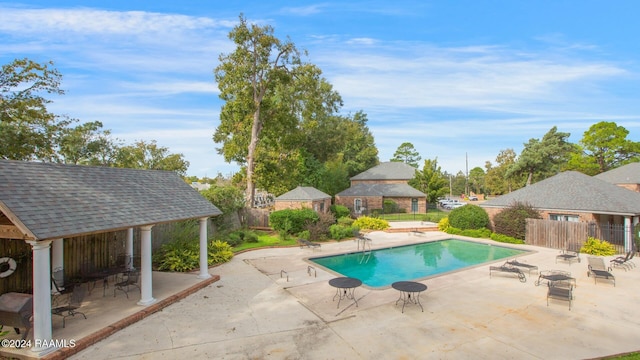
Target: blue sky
454,78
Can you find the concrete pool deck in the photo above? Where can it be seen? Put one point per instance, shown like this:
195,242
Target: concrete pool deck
269,304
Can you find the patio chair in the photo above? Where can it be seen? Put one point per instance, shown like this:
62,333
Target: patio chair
71,308
624,261
510,270
516,263
598,270
58,292
307,243
568,255
560,290
129,280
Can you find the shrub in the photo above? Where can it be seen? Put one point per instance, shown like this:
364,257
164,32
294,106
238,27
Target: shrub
339,232
292,221
505,239
340,211
369,223
345,221
443,224
469,217
319,229
305,234
184,255
390,207
512,220
597,247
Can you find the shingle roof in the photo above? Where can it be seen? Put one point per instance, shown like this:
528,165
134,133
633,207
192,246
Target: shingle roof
627,174
49,201
302,193
389,190
572,190
388,171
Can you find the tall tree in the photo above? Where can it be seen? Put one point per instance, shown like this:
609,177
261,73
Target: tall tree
542,158
150,156
603,147
476,180
496,180
87,144
28,131
407,154
430,180
358,146
247,79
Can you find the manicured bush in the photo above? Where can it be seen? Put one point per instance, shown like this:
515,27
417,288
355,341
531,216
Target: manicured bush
292,221
512,221
598,247
340,211
345,221
468,217
369,223
184,255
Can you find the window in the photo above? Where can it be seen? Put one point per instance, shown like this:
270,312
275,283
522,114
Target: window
357,205
563,217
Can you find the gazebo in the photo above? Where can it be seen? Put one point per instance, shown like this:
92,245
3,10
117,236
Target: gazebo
44,203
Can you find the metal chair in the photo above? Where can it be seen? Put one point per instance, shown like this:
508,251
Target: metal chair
130,279
71,309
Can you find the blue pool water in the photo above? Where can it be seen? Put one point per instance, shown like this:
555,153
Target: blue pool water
380,268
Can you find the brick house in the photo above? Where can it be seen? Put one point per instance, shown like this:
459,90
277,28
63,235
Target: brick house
574,196
304,197
387,181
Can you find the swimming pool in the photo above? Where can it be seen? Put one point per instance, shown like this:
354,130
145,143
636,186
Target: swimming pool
382,267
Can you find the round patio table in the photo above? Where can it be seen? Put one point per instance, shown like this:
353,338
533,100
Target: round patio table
345,288
409,292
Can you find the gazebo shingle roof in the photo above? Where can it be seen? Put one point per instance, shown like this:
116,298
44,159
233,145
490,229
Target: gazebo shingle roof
572,190
49,201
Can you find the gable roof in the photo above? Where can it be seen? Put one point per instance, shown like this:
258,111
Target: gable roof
573,191
51,201
302,193
388,190
627,174
391,170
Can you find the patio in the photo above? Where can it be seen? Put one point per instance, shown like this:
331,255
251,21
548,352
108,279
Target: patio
253,311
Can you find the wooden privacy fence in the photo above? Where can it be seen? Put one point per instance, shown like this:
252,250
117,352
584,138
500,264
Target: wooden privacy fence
256,218
556,234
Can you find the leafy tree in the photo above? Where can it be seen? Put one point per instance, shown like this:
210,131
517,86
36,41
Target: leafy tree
430,180
229,199
28,130
150,156
248,79
476,180
603,147
496,180
358,147
87,144
542,158
407,154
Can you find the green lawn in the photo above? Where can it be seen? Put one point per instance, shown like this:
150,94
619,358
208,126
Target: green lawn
265,239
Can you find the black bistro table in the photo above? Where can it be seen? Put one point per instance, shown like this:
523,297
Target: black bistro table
409,292
345,288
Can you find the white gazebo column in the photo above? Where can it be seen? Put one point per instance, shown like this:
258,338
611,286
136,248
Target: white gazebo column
628,235
204,253
57,261
41,296
129,249
146,286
